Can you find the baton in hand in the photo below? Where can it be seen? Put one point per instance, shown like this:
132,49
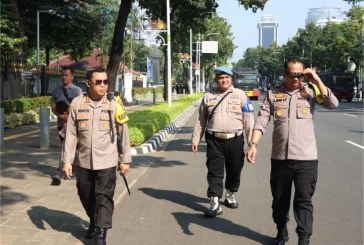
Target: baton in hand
126,183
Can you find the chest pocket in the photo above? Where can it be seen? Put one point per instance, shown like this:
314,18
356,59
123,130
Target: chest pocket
82,120
304,110
104,122
234,106
280,111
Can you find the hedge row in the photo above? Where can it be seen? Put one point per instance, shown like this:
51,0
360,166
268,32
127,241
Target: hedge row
145,123
25,104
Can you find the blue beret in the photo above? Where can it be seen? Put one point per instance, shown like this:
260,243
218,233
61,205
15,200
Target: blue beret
223,70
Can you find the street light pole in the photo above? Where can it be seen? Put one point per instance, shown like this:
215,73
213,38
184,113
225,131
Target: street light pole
190,83
169,83
38,37
50,11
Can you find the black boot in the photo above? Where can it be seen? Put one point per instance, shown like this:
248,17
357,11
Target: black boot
91,231
281,238
100,236
303,240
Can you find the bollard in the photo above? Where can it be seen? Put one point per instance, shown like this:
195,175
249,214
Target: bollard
154,98
2,120
44,128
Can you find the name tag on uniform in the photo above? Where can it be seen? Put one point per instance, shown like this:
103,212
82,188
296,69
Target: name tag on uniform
82,116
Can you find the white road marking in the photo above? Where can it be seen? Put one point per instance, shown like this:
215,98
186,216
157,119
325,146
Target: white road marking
355,144
350,115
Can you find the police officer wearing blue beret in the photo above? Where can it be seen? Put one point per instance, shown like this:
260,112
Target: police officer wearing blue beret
224,114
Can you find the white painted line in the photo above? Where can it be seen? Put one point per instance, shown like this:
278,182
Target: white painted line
357,145
349,115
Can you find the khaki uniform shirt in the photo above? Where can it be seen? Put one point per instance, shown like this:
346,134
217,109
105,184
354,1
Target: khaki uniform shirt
292,112
228,117
89,124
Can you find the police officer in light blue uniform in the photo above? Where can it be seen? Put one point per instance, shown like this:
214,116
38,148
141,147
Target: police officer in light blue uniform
224,114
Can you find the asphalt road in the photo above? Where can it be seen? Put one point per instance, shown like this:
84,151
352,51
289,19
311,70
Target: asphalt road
169,191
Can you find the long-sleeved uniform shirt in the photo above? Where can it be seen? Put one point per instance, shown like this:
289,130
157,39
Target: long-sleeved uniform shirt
292,112
89,125
233,114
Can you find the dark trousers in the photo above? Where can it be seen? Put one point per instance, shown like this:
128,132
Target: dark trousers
224,155
96,191
304,176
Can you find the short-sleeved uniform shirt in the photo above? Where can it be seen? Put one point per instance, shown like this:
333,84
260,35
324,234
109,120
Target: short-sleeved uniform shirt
292,113
229,117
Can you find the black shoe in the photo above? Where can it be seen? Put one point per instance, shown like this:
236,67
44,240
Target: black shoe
281,238
90,232
215,208
57,177
230,200
303,240
100,236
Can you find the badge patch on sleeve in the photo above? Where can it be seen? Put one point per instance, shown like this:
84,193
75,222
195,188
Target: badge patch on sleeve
248,107
120,115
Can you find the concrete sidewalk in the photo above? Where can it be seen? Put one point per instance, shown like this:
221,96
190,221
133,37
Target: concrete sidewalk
32,210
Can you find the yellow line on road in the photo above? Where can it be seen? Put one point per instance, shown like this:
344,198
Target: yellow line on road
25,134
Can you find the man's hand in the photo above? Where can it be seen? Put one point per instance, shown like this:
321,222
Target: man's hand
64,117
123,169
311,75
252,152
67,170
194,147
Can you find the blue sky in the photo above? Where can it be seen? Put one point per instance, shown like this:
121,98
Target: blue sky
290,14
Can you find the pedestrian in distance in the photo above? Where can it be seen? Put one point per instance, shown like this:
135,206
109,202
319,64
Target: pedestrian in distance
60,101
294,152
224,114
99,124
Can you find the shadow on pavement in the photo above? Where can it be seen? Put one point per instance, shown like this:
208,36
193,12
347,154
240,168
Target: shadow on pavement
59,221
193,202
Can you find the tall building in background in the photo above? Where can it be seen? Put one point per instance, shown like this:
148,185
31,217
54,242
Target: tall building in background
268,31
322,16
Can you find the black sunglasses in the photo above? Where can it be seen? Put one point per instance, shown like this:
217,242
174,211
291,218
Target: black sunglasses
98,82
295,75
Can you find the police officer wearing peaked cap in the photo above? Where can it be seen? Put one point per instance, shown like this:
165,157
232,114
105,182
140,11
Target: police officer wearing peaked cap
224,114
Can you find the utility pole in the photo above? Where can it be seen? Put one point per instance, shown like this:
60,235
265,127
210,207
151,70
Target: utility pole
190,83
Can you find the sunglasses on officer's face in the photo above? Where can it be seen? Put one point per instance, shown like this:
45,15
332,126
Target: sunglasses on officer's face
99,82
295,75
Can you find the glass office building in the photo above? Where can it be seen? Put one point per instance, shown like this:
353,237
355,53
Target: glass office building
322,16
268,31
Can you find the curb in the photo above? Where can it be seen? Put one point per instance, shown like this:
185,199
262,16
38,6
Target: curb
155,141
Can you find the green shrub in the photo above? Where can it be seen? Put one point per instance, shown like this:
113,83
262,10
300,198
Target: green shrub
13,120
25,104
28,118
145,123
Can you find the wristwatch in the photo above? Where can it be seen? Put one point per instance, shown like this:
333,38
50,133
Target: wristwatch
252,143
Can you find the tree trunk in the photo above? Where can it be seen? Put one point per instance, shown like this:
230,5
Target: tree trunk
47,56
117,43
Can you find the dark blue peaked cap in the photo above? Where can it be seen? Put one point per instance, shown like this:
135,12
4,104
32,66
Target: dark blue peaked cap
223,70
